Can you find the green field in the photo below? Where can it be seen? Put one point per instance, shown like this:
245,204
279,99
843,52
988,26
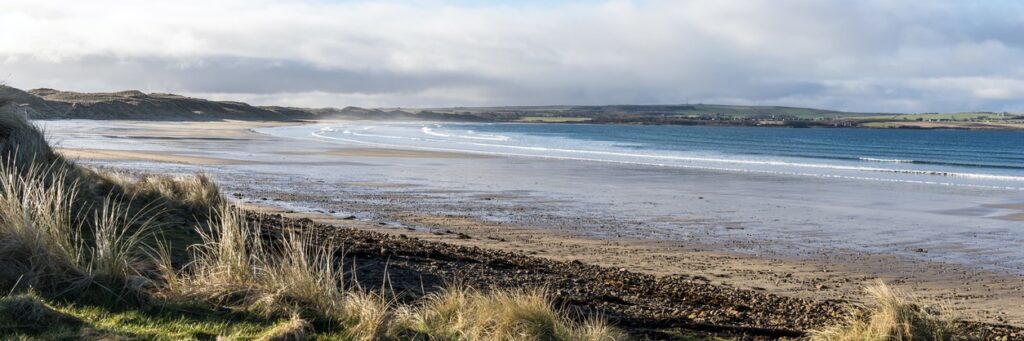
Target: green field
553,119
964,116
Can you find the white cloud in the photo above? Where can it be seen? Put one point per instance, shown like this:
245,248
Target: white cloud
866,55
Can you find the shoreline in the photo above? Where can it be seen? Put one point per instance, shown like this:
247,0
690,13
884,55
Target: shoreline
991,297
877,125
970,292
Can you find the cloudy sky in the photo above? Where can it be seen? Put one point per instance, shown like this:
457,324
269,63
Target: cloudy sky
891,56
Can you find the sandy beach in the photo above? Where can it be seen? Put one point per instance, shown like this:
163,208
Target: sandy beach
152,156
478,212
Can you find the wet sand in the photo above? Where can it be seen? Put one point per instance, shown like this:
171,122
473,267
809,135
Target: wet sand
401,153
396,207
143,155
1018,216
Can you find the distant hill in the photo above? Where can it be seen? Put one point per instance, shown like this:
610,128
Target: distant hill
356,113
695,111
733,115
135,105
31,105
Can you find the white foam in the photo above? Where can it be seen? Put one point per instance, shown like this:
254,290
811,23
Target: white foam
871,159
705,163
472,135
429,131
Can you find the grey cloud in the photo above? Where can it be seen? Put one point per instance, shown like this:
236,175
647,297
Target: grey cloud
871,55
226,74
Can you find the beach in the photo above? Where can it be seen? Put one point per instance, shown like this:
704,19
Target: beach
774,233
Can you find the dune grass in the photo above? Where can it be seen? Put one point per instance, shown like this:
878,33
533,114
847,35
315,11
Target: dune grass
39,244
198,193
295,276
233,266
892,315
293,329
463,313
87,255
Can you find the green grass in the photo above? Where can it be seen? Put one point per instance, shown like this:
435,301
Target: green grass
965,116
165,322
739,111
690,110
881,125
155,321
553,119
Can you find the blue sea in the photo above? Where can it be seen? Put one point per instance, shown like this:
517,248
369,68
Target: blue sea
940,157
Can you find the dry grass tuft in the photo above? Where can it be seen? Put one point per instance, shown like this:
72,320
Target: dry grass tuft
460,313
224,266
892,316
39,239
48,244
50,236
293,329
119,242
198,193
302,274
236,267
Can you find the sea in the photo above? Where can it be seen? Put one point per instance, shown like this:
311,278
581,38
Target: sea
937,157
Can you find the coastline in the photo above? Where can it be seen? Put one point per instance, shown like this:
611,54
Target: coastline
824,124
972,293
989,297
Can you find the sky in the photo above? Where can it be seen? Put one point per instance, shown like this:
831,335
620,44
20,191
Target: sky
868,56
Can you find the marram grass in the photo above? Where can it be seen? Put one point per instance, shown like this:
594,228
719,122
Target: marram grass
82,240
892,315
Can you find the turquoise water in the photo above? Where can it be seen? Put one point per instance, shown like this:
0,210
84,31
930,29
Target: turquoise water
940,157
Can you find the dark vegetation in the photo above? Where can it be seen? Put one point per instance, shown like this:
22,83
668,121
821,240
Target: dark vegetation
135,105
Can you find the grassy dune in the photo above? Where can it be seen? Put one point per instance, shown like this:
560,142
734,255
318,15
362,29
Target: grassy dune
89,255
85,255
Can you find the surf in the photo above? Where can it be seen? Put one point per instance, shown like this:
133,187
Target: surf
513,145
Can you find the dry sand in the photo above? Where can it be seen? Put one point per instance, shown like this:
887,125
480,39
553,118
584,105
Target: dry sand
401,153
1018,216
203,131
140,155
